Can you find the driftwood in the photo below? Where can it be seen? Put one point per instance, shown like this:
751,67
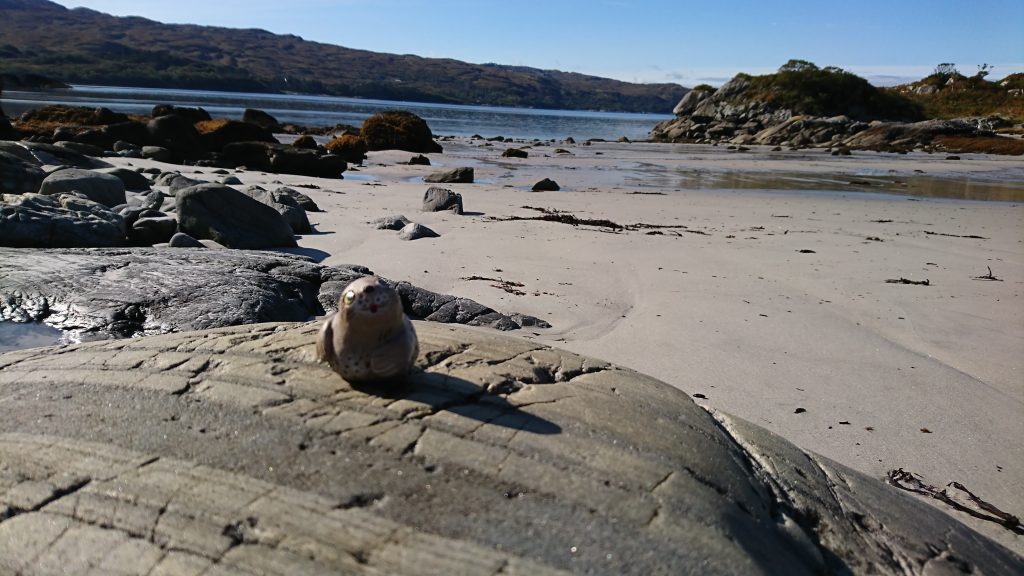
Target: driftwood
975,236
924,282
981,509
990,277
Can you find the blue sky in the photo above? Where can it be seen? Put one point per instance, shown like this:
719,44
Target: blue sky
686,42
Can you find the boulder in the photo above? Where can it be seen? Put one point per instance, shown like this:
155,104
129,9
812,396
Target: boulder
437,199
414,231
398,130
57,220
306,141
132,131
177,134
284,159
300,199
105,189
419,160
229,217
176,182
546,185
158,153
182,240
285,205
349,146
231,180
133,181
48,154
395,222
261,119
515,153
216,134
18,175
191,115
151,229
453,176
7,132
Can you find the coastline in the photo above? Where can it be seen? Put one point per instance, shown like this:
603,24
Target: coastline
757,303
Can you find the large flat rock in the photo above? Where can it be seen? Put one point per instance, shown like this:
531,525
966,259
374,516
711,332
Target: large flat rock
233,451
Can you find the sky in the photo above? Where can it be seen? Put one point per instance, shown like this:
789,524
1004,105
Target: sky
681,41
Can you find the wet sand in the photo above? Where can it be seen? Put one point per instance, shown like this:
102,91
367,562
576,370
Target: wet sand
772,305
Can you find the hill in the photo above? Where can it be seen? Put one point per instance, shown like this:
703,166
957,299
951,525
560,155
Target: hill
97,48
947,93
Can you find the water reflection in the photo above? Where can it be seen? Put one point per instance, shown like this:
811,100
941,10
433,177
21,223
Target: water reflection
19,336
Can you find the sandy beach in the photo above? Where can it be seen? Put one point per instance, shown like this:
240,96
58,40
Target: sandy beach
770,305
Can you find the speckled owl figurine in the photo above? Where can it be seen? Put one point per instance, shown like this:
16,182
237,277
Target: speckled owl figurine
370,338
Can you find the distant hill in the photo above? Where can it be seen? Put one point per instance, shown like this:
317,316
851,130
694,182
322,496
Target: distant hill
947,93
88,47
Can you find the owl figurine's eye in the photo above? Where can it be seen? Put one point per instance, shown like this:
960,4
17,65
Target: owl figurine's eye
349,298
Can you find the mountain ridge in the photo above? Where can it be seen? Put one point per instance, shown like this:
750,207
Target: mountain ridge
98,48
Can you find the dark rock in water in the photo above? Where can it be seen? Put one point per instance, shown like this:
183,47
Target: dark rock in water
177,134
396,222
216,134
453,176
182,240
437,199
413,231
152,229
58,220
18,176
419,160
515,153
158,153
546,185
192,115
106,189
306,141
179,290
261,119
132,180
301,200
398,130
229,217
285,205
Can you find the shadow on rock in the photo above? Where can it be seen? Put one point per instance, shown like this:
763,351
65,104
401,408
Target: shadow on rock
441,392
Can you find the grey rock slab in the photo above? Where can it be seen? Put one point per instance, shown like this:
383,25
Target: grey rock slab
105,189
231,218
149,230
300,199
127,292
437,199
394,222
133,181
55,221
414,231
18,175
182,240
462,175
55,155
285,204
234,449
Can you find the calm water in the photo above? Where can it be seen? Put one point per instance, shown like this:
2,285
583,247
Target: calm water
17,336
444,119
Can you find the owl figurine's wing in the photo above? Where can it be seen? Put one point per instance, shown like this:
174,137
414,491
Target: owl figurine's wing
396,356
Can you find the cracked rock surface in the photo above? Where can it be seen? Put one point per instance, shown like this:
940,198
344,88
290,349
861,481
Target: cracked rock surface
140,291
234,451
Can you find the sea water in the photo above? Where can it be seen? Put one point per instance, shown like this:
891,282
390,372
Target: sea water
317,111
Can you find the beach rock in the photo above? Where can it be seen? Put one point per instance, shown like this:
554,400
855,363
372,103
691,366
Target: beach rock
398,130
177,134
158,153
182,240
231,218
48,154
396,222
349,146
520,444
57,220
453,176
437,199
283,159
231,180
299,199
216,134
17,175
80,148
172,291
105,189
546,185
133,181
191,115
133,132
515,153
419,160
285,205
7,132
176,182
261,119
306,141
413,231
151,229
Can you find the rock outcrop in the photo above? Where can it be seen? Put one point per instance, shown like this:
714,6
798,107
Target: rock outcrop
105,189
398,130
231,218
57,220
496,456
116,293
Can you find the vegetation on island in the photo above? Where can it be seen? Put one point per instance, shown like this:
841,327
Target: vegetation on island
97,48
946,93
